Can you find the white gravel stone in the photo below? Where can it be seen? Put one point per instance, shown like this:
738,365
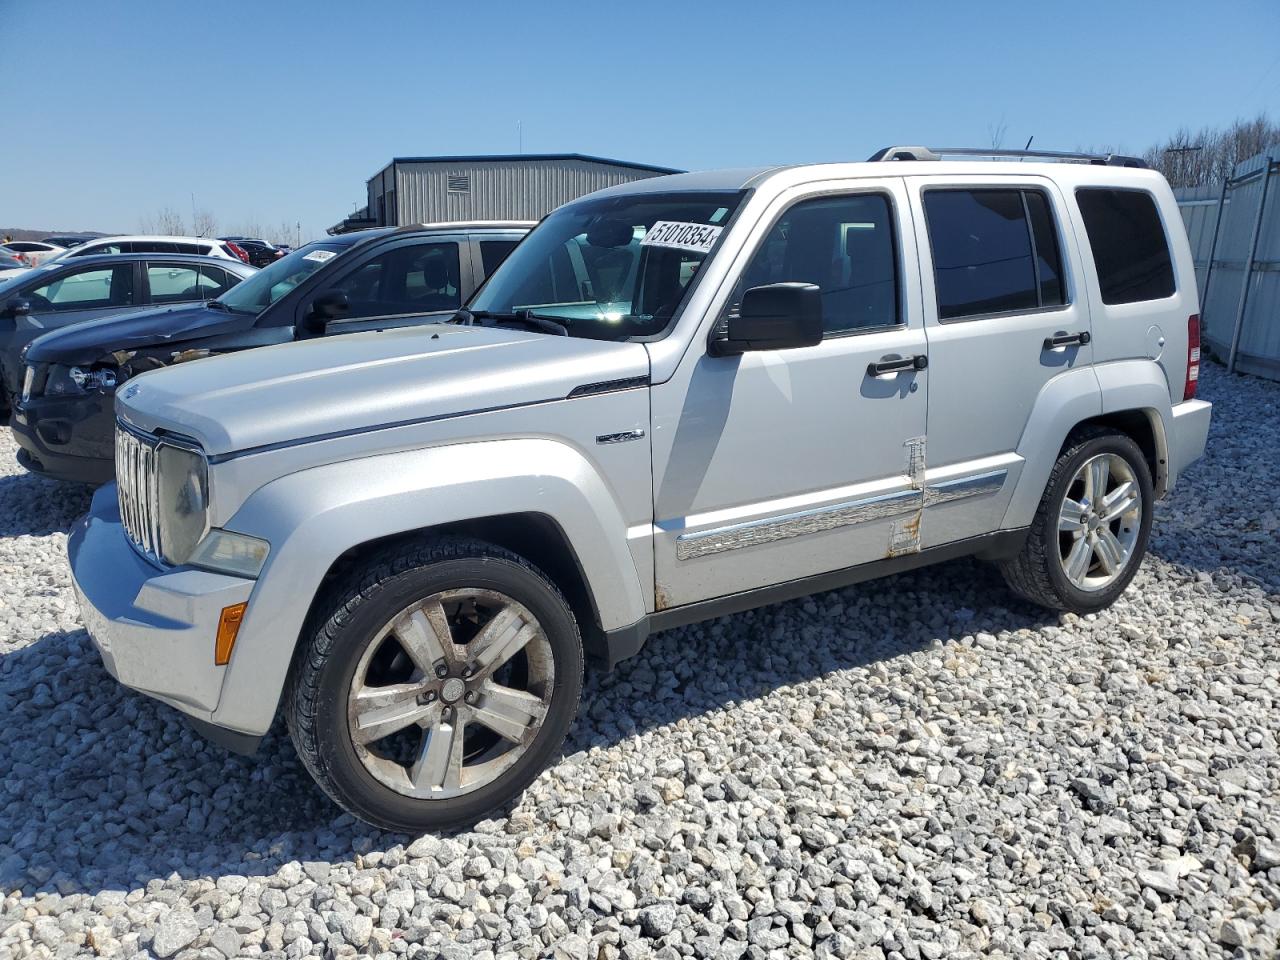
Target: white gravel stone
918,767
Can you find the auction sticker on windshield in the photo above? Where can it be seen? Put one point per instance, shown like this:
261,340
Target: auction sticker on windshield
698,237
319,256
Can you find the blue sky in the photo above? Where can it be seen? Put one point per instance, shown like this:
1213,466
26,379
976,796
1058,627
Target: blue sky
279,111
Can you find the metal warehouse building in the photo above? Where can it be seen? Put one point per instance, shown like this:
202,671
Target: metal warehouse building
520,187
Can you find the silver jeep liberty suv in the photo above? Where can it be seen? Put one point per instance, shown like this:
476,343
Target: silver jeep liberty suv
678,398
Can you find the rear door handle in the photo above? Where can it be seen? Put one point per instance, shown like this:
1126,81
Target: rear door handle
897,365
1067,340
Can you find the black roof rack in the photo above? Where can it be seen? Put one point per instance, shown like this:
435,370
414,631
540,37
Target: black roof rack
937,153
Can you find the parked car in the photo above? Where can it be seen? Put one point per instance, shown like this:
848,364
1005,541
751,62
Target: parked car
11,266
68,241
260,252
678,398
65,292
31,252
370,280
195,246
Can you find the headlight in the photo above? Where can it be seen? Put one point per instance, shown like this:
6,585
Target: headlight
228,552
182,487
65,381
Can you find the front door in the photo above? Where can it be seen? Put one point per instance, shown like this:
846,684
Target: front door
778,465
1004,319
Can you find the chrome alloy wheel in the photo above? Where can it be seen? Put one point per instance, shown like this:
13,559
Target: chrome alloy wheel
450,693
1099,522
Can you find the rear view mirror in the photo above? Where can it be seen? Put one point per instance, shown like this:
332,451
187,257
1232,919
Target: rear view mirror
610,233
777,316
328,306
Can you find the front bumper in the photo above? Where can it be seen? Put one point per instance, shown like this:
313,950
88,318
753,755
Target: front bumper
1188,434
67,438
154,628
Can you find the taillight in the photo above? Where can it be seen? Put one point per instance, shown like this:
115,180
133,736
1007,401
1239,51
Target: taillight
239,251
1193,357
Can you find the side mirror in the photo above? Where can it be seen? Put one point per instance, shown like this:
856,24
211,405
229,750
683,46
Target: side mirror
777,316
17,308
330,305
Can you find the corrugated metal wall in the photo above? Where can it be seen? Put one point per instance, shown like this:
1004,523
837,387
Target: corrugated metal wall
1239,276
500,189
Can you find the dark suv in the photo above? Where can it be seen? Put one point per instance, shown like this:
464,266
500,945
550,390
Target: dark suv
370,280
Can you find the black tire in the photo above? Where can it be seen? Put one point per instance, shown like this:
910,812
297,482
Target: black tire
1036,572
361,604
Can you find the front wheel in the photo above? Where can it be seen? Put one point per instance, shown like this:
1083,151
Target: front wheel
1090,531
442,681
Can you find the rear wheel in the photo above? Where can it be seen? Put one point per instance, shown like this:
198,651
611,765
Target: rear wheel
1090,531
441,682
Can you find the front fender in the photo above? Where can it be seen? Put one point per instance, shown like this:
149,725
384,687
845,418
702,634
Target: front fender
312,517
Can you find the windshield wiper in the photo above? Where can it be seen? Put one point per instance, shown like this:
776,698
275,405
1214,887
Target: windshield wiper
528,317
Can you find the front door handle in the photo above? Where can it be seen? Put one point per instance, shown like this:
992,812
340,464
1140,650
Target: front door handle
897,365
1067,340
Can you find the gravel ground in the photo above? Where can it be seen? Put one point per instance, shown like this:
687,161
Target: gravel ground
920,767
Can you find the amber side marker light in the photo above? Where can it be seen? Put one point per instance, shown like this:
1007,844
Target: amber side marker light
228,627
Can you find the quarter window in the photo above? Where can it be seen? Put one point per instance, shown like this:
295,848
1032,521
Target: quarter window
844,245
493,252
1129,247
994,251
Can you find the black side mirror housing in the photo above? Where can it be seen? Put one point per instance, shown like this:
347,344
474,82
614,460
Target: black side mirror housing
777,316
328,306
17,307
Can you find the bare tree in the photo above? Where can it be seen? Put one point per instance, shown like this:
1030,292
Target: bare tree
204,224
996,132
166,222
1209,155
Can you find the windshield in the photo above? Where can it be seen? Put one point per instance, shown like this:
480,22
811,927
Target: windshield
271,283
611,268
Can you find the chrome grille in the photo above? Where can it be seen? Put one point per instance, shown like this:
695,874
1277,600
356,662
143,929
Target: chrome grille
136,483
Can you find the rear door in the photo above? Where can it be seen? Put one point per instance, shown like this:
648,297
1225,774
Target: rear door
1005,313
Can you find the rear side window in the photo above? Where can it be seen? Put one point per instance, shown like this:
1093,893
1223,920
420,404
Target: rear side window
172,283
493,252
1129,247
846,246
994,251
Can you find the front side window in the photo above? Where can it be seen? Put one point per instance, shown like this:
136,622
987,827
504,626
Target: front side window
214,282
86,290
611,268
417,278
844,245
1129,247
172,283
994,251
270,284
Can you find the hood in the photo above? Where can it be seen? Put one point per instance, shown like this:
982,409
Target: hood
91,340
362,381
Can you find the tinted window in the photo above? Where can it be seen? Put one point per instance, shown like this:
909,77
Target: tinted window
1128,242
846,246
214,282
1045,237
493,252
171,282
86,290
420,278
994,251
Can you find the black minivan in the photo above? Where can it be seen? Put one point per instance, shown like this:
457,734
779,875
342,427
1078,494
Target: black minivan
64,419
